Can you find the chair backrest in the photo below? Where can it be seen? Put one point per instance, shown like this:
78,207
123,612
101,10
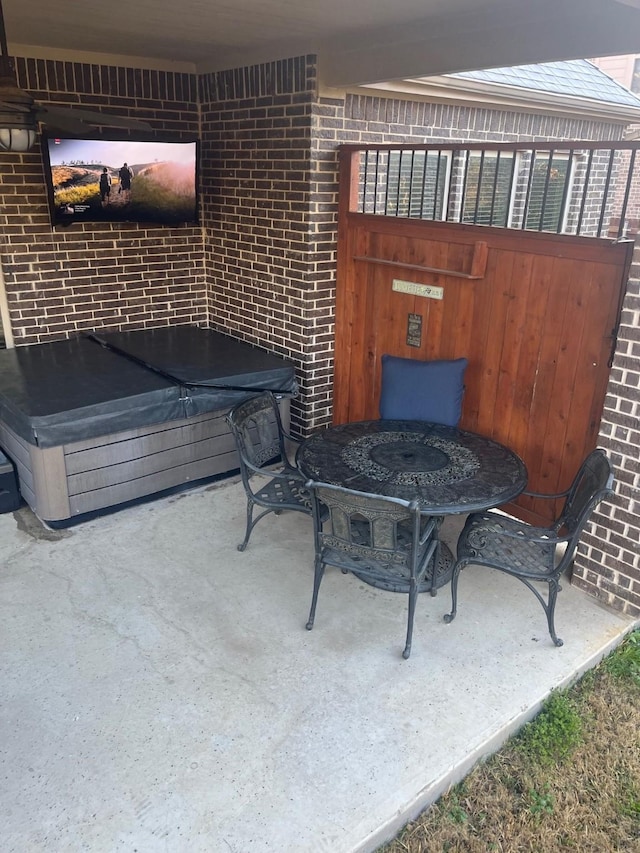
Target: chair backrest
592,483
376,529
422,390
257,429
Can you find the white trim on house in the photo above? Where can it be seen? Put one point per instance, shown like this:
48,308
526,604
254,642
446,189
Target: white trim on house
497,95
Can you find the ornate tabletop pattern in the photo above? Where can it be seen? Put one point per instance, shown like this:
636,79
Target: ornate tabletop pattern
447,470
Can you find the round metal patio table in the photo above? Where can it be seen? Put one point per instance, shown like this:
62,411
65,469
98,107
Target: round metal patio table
447,470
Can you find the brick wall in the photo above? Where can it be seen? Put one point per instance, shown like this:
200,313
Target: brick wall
261,255
372,119
607,563
60,281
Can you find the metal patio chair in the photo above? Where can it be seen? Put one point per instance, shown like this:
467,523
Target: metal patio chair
269,478
530,553
384,541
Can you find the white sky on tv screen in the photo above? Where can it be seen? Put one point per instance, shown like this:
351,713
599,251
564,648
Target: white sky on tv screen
113,154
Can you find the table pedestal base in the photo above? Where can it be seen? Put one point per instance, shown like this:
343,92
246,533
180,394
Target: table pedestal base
444,570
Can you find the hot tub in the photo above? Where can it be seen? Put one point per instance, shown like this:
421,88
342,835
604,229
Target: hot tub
100,420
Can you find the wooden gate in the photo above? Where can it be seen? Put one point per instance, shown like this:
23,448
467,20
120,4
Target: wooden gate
535,314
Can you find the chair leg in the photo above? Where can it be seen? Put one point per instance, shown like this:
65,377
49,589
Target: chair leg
436,566
251,522
436,560
549,606
554,587
413,596
249,528
449,617
317,580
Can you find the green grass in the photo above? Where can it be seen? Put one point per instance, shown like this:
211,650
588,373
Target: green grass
625,662
555,733
568,781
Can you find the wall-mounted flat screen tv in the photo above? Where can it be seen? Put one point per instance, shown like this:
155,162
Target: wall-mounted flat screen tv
121,180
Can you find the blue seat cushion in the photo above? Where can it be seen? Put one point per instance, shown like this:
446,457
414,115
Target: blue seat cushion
422,390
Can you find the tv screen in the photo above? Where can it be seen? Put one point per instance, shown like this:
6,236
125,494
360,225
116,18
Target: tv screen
107,180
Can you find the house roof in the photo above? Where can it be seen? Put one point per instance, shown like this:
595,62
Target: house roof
571,87
574,78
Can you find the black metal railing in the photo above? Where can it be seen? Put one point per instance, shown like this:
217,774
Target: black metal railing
578,187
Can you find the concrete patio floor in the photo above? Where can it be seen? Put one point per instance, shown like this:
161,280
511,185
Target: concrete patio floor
160,691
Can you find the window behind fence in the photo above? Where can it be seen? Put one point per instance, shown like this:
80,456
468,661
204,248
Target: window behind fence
585,188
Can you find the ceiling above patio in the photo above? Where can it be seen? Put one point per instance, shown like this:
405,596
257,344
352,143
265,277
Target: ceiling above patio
357,41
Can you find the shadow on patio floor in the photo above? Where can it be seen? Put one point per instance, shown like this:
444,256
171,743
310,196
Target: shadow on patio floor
161,692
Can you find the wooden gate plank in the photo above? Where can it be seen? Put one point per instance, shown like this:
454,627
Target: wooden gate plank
490,357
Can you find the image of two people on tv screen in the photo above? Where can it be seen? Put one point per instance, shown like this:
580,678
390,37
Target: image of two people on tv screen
125,177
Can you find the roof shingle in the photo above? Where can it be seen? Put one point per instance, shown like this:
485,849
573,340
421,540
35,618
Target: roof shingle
577,78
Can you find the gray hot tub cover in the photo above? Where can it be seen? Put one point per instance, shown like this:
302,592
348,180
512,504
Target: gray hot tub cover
68,391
